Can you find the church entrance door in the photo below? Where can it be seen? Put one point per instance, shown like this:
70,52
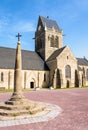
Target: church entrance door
68,84
31,84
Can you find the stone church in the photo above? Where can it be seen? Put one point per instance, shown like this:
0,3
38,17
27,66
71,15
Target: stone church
51,64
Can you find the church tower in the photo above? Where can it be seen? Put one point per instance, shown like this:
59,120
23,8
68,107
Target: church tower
48,37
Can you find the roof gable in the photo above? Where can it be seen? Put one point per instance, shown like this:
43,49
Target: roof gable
68,53
49,23
56,53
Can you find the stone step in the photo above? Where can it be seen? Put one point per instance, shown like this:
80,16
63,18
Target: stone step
21,112
15,107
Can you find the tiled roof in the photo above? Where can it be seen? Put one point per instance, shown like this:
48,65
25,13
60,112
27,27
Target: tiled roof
82,61
30,60
49,23
56,53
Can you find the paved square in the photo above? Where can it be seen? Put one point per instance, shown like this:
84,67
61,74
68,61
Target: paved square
74,103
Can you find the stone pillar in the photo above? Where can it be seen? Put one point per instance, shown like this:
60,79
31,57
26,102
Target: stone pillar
83,78
18,68
77,79
17,95
61,79
55,79
25,78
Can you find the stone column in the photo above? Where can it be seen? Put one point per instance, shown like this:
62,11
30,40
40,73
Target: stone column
17,96
55,79
18,71
61,79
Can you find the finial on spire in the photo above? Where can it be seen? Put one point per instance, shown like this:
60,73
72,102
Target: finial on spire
18,35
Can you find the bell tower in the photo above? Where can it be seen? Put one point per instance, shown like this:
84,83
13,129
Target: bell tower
48,37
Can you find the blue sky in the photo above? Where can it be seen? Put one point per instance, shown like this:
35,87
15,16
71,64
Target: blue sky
22,16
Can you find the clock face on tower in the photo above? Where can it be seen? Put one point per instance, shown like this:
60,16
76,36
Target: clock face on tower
39,28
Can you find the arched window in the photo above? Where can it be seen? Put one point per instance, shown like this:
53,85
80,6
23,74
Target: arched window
2,76
56,42
39,43
68,71
87,74
52,41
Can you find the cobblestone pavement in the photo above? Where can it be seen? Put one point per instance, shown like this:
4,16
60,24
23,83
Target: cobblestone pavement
74,103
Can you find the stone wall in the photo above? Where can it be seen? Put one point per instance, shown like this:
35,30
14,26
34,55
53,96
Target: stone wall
48,34
85,82
30,78
64,59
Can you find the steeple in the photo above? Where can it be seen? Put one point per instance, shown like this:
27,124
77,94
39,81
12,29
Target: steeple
48,37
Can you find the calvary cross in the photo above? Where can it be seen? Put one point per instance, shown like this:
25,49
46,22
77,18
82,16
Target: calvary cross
18,36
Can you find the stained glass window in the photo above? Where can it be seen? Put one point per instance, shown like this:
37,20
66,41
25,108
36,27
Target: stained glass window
68,71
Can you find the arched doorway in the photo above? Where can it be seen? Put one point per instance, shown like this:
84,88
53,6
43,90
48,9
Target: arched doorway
68,84
31,84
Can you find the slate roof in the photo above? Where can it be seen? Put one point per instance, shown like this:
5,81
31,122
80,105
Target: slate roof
82,61
56,53
49,23
30,60
80,69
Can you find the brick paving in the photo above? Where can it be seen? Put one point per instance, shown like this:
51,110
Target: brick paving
74,103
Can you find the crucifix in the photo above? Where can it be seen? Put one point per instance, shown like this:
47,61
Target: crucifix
18,35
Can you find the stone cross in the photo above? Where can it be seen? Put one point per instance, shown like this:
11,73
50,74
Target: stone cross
18,35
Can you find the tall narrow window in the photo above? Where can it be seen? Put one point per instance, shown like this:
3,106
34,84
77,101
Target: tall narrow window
52,41
44,77
83,72
56,42
39,43
2,76
68,71
87,74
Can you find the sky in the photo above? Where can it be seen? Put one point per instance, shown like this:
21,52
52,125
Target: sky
21,16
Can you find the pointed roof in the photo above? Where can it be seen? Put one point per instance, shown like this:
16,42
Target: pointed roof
30,59
56,53
49,23
82,61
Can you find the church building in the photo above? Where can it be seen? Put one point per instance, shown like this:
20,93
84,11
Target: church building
51,64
